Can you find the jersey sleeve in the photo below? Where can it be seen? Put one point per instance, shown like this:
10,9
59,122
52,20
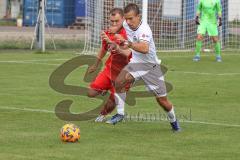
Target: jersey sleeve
219,8
145,34
199,7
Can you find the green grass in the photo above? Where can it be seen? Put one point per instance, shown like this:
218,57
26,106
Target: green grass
204,87
26,44
8,23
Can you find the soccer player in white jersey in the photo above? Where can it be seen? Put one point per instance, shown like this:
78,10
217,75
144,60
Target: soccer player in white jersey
144,65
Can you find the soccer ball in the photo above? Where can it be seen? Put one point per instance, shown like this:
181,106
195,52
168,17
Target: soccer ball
70,133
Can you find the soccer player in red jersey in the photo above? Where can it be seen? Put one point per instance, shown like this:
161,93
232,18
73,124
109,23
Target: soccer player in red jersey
114,64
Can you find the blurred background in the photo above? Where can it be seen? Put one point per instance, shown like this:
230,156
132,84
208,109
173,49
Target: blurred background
65,23
76,24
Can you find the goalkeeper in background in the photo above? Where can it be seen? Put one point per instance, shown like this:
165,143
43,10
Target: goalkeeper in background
207,21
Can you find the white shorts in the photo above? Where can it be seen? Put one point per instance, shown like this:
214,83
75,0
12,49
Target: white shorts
152,76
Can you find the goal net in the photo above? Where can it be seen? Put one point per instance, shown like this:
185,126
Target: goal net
172,23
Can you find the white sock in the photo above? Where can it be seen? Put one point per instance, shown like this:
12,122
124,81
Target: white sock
120,101
171,115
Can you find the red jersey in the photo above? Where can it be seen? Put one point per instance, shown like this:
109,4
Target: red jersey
115,62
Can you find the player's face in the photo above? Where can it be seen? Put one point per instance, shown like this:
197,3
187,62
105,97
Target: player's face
133,20
116,22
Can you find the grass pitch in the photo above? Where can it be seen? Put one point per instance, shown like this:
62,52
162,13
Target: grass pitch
205,95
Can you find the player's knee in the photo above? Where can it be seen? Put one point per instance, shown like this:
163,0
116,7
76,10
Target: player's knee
215,39
199,37
118,87
163,101
118,84
91,93
129,78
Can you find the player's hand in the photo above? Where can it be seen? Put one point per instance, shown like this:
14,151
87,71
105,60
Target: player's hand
219,21
105,37
113,47
119,38
121,41
92,68
197,20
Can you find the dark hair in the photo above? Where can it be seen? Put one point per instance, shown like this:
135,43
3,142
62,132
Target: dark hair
115,11
132,7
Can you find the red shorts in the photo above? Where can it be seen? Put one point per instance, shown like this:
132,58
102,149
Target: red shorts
104,82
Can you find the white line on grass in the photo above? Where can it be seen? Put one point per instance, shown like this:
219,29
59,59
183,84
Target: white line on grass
213,123
177,55
46,60
184,121
37,60
205,73
29,62
64,59
184,72
26,109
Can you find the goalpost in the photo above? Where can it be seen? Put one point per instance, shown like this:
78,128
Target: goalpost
172,23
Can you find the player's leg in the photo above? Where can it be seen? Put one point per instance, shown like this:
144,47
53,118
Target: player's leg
200,33
198,47
93,92
120,97
213,33
217,47
100,85
154,81
108,107
168,107
121,81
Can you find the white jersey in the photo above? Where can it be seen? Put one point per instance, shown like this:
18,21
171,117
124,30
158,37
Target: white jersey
142,33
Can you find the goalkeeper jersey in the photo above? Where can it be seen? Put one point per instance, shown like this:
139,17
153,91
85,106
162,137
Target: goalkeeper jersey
208,9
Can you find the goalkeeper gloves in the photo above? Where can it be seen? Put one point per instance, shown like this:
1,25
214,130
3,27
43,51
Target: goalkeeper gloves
197,20
219,21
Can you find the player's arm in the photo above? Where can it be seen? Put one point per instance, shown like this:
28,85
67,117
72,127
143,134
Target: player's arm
142,46
219,8
120,49
199,10
101,53
219,12
123,50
